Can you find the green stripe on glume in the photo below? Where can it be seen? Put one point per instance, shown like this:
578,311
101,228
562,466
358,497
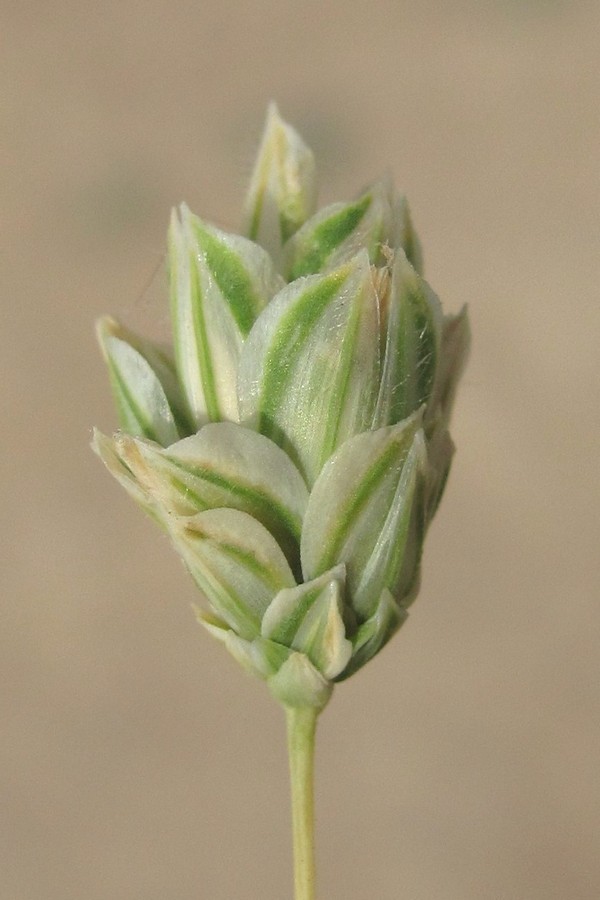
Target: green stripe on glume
356,502
226,602
286,631
202,347
426,358
416,355
232,279
317,247
188,493
268,506
396,559
294,329
345,367
249,561
128,406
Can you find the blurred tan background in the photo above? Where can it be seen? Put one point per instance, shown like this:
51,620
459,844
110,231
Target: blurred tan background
137,762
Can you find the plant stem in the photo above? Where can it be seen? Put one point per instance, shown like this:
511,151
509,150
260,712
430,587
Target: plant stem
301,726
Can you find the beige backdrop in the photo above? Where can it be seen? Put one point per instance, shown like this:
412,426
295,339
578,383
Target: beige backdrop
137,762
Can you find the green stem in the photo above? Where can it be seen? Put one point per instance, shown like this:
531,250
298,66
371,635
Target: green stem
301,726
